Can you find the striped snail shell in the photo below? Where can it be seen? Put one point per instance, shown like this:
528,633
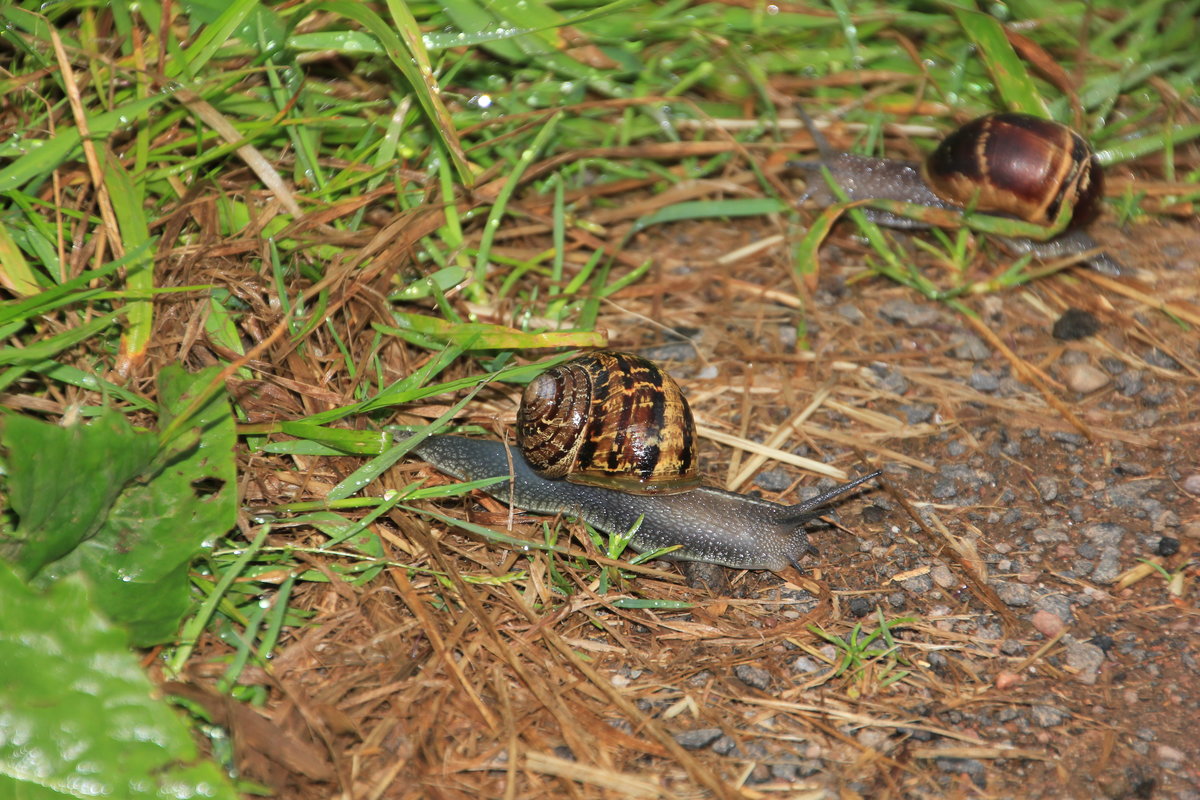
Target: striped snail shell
609,419
1020,165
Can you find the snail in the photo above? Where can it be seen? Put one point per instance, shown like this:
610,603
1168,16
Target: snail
1007,164
642,441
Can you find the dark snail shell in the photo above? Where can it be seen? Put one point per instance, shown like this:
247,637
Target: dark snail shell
609,419
1019,165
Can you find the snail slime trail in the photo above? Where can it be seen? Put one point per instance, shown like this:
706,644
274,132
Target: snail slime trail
708,524
1010,165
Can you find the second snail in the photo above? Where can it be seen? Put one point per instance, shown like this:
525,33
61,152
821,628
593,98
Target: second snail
1007,164
608,437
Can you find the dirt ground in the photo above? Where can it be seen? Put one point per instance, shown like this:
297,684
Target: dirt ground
1036,655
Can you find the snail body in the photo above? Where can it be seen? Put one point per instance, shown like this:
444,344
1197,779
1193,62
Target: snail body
1006,164
710,525
608,437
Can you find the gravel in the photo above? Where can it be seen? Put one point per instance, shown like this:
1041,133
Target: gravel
698,738
754,677
1086,659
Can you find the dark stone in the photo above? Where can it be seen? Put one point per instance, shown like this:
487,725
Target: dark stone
1075,324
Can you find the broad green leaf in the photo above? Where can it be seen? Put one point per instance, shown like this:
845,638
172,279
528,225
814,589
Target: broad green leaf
78,717
81,509
62,482
138,561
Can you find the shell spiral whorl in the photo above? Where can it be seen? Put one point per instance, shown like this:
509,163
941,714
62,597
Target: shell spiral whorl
609,419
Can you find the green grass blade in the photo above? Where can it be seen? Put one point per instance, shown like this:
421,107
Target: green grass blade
1016,87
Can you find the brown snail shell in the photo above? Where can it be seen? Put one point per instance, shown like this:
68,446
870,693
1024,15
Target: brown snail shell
1019,165
609,419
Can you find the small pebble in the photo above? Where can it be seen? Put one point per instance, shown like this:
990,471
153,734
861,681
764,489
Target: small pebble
773,480
982,380
1012,647
1047,488
859,606
1191,484
1017,595
969,347
942,576
906,312
1086,659
1171,757
1104,534
1006,680
805,664
695,740
1058,605
916,413
1047,624
754,677
1047,716
850,313
1085,379
1075,324
1167,546
973,768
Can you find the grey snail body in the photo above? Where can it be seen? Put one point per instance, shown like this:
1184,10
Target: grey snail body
608,437
1008,164
710,525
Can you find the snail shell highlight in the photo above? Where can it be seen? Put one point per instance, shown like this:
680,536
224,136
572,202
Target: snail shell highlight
609,419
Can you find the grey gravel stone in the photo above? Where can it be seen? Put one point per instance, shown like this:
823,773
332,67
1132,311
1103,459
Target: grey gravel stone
804,664
1047,488
1017,595
1012,647
944,489
942,576
679,352
1146,418
1057,604
1130,383
969,347
918,584
916,413
1104,534
981,380
905,312
889,379
973,768
697,739
1050,535
752,676
1087,659
1069,437
1047,716
1158,358
850,313
773,480
725,745
1108,568
788,773
1132,493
